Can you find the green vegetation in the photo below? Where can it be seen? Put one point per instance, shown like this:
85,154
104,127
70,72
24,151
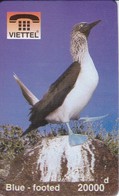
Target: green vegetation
11,144
110,139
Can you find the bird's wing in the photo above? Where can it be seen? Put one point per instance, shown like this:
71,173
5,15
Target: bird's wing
88,119
55,95
29,96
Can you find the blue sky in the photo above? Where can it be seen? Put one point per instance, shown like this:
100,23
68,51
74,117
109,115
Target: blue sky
38,63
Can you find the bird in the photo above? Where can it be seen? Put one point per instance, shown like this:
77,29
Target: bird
71,92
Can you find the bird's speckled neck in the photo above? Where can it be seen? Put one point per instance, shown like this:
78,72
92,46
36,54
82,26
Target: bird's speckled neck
79,46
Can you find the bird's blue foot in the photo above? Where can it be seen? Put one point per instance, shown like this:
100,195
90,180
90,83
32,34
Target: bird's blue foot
77,139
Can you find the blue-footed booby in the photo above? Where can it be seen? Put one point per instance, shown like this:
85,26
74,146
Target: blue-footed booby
71,92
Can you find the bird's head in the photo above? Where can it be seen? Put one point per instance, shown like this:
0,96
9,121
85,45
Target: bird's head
85,27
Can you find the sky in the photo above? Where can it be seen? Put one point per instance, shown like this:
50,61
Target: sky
38,63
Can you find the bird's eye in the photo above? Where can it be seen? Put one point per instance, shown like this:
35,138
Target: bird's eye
81,25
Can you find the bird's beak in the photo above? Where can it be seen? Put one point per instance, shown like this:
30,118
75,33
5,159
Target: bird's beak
91,25
86,29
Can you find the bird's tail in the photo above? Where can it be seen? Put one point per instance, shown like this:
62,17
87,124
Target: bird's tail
29,96
30,128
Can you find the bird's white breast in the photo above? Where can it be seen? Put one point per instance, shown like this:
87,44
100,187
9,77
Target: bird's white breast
80,95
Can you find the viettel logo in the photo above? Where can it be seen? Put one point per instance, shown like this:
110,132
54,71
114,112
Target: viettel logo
23,25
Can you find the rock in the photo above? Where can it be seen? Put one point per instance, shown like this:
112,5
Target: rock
4,169
54,164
